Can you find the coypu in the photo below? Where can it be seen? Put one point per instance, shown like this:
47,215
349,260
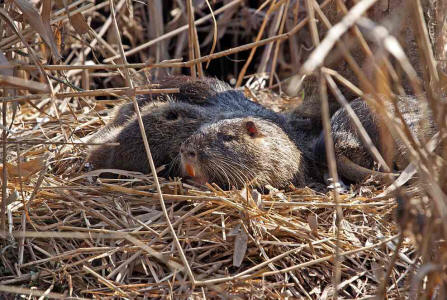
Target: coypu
236,151
191,90
168,124
207,92
353,159
389,16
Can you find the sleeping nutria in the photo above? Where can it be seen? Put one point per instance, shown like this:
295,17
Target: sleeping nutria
169,123
191,90
233,152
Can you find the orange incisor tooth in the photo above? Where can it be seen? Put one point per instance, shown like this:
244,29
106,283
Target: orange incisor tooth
190,170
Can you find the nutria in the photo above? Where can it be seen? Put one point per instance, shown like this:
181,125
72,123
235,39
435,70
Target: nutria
354,162
191,90
234,152
207,92
168,123
389,16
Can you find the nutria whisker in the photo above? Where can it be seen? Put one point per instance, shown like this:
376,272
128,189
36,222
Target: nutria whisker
174,165
232,166
218,173
221,173
233,163
239,172
236,176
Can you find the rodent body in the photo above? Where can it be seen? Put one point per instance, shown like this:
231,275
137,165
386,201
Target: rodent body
233,152
354,162
191,90
168,123
210,93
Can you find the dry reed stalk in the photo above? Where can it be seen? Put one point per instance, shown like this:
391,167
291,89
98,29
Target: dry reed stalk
149,155
258,38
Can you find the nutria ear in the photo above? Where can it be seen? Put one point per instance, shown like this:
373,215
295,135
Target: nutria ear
252,130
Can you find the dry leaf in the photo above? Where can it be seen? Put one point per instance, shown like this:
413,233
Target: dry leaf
79,24
11,81
27,168
58,37
240,248
313,224
4,62
40,24
349,233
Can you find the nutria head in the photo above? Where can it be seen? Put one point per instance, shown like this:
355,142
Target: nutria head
235,152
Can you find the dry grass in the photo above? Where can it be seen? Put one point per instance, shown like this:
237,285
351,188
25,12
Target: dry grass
67,233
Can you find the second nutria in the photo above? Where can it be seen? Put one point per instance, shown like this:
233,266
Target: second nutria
234,152
354,162
167,124
191,90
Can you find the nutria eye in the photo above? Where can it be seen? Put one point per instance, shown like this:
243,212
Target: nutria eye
228,138
171,116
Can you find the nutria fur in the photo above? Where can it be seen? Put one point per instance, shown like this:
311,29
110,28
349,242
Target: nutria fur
353,159
212,93
234,152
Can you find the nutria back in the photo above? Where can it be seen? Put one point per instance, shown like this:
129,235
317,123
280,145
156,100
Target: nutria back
239,151
215,95
191,90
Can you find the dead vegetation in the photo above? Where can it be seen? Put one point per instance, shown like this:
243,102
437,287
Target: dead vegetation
66,233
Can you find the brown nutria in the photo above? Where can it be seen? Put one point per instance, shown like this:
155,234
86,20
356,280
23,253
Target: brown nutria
168,124
212,93
353,159
191,90
234,152
390,16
